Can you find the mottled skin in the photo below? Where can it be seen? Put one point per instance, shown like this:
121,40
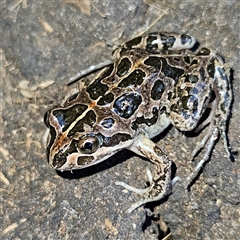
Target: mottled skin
155,81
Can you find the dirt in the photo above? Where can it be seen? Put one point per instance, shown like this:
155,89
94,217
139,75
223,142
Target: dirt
43,44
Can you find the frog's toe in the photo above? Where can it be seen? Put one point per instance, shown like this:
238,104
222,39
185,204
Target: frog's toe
139,191
148,194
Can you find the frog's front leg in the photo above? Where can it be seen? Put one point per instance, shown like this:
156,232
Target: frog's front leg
160,181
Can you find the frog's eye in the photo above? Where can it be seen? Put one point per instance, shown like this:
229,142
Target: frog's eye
88,144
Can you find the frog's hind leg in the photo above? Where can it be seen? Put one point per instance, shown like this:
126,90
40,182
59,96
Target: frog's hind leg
169,41
220,110
209,134
158,42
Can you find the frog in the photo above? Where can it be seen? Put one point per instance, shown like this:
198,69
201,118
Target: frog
156,80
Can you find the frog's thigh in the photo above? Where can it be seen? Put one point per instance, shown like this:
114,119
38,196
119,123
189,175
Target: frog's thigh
188,103
160,181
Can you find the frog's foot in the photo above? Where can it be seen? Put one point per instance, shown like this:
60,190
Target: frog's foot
147,193
205,158
139,191
210,141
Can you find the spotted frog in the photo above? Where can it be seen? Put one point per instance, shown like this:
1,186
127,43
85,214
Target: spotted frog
155,80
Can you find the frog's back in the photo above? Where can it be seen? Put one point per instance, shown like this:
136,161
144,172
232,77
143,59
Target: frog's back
129,94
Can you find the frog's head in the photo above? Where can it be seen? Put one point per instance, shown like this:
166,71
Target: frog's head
78,138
